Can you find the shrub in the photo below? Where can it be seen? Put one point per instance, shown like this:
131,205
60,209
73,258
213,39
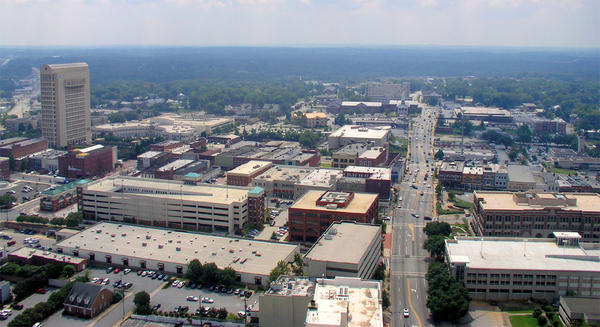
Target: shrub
542,321
536,313
548,308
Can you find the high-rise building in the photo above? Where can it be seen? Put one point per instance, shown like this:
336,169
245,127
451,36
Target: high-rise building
65,96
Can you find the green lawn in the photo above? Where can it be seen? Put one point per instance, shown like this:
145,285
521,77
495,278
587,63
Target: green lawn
523,321
463,204
564,171
324,165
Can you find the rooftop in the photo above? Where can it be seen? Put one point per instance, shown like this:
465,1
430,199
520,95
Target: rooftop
313,115
353,149
359,204
520,173
26,252
158,188
353,298
320,177
366,103
249,256
250,167
341,244
361,132
68,65
383,173
149,154
586,305
528,254
483,111
292,286
177,164
285,173
492,200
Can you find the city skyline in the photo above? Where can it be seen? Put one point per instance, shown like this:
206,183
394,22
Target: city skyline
529,23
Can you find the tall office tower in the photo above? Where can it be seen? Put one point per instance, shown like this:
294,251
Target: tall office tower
65,95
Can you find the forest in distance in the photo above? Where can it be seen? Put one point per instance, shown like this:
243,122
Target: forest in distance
213,77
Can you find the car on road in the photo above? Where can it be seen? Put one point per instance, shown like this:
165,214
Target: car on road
427,218
405,313
415,215
17,306
156,307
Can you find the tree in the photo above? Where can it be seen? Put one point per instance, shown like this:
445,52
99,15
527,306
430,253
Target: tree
379,273
439,155
438,228
194,271
210,273
222,313
73,219
9,269
227,276
55,270
542,320
435,245
142,303
6,200
68,270
282,268
524,134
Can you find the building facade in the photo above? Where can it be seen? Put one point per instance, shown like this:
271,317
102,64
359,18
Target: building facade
87,300
93,161
533,214
315,211
244,174
65,97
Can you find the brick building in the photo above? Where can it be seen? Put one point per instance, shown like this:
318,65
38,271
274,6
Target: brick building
165,146
450,173
93,161
312,214
23,147
244,174
256,205
371,179
4,168
87,300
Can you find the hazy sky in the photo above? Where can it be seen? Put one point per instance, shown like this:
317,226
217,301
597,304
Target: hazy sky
564,23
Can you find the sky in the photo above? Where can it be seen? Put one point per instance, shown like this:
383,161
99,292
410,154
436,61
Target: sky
531,23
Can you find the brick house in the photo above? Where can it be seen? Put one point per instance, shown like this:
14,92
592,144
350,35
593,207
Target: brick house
87,300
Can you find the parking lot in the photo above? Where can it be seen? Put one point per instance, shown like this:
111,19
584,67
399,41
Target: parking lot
172,297
8,235
29,302
24,191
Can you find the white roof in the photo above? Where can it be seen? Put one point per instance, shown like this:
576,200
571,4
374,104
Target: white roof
340,244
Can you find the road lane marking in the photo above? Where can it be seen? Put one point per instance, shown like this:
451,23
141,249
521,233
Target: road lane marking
411,305
411,226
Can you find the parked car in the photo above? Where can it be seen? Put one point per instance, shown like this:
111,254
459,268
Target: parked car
207,300
41,291
126,271
17,306
117,270
156,307
11,243
109,270
192,298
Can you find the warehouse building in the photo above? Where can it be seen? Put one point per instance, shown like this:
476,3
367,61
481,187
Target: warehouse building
339,252
166,203
170,251
536,268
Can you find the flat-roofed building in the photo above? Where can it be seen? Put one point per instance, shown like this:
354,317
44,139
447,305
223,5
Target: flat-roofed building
125,129
65,98
507,268
348,134
472,177
536,214
92,161
243,174
359,154
24,147
32,256
484,113
450,173
315,119
286,301
151,159
362,106
165,203
339,252
579,308
171,251
387,91
280,181
319,179
314,212
345,302
367,179
520,178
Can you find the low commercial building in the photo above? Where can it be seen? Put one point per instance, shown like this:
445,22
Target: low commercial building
315,211
578,163
166,146
87,300
224,139
359,154
32,256
366,179
450,173
244,174
45,160
472,177
171,251
339,252
165,203
578,308
151,159
280,181
536,268
536,214
362,106
348,134
520,178
322,179
541,126
484,113
93,161
341,302
60,196
135,129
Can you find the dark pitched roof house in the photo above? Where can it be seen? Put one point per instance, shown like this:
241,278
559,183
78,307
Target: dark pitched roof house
87,299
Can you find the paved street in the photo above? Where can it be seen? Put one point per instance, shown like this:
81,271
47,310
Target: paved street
408,262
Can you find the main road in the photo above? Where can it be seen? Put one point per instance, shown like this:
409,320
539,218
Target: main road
408,264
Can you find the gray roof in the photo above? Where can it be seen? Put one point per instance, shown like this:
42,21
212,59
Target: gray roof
83,294
586,305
